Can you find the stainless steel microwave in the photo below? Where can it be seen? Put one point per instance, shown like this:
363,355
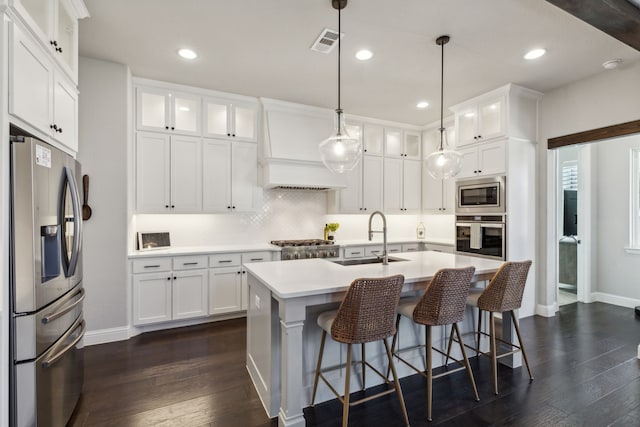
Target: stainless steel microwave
485,195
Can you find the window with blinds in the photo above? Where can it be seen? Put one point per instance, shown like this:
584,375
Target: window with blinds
570,175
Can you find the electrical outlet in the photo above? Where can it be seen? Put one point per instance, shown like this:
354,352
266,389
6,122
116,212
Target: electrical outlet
257,302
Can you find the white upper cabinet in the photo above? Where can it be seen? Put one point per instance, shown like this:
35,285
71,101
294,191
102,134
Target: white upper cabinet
229,176
168,111
504,112
402,143
373,139
402,187
229,119
484,159
55,23
168,173
40,95
481,122
438,195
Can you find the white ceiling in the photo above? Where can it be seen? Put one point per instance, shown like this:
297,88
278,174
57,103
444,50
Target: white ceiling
261,48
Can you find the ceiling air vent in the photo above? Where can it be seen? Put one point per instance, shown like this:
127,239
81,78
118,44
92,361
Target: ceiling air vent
325,41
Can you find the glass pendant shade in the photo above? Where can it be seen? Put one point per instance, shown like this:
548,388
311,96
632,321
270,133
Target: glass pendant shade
443,163
340,152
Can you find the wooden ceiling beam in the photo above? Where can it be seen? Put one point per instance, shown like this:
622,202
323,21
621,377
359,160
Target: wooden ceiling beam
618,18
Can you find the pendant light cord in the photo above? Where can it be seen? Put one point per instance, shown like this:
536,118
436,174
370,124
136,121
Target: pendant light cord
339,37
442,96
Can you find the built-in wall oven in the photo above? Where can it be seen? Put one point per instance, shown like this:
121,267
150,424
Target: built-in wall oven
485,195
481,235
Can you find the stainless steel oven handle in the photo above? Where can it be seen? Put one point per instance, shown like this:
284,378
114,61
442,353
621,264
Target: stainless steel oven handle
56,357
463,224
64,310
492,225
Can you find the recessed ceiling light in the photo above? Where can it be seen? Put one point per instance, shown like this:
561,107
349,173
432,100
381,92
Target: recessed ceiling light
364,54
187,54
535,53
611,64
422,104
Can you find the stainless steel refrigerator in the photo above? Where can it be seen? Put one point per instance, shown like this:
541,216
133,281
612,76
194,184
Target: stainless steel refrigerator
46,293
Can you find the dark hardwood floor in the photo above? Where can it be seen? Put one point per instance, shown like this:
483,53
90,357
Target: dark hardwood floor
583,360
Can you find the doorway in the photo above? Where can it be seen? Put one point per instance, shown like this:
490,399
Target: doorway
573,201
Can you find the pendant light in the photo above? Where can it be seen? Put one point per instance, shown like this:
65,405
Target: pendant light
340,152
443,163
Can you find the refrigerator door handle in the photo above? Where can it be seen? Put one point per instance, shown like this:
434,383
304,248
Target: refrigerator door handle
64,310
57,356
77,220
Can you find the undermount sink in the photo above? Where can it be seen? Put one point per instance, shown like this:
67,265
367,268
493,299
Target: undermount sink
366,261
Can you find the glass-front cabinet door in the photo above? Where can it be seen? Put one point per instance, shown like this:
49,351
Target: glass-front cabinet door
491,119
185,112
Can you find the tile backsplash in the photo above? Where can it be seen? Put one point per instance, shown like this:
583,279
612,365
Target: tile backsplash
285,214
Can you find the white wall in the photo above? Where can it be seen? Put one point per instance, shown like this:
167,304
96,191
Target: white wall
618,272
105,115
285,214
608,98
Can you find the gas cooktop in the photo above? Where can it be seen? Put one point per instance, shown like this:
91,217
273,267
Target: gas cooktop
301,242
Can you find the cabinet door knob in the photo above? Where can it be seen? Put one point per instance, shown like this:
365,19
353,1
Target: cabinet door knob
168,278
59,49
233,135
60,130
166,127
229,134
228,207
175,278
173,128
233,207
173,206
365,150
479,136
166,206
479,171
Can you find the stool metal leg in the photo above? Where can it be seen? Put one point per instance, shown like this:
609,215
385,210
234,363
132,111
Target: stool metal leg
524,353
429,370
364,367
446,361
345,401
494,355
315,381
466,362
396,383
479,331
393,343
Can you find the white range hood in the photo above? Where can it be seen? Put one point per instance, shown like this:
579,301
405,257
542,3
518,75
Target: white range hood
291,158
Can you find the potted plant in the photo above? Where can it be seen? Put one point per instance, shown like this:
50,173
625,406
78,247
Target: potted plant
331,230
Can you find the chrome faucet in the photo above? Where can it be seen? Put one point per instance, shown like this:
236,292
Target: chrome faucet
385,256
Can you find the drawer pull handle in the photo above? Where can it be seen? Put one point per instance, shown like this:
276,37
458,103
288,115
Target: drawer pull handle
152,266
225,260
189,263
356,253
257,259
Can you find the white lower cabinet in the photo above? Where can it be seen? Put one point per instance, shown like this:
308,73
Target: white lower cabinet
228,290
167,289
189,297
151,298
225,290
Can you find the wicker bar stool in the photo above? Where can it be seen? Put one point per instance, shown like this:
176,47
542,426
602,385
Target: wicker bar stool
443,303
365,315
504,293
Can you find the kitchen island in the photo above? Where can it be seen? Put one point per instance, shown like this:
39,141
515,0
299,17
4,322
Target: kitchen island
285,299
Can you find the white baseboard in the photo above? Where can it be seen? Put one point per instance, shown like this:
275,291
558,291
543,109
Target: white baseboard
615,299
546,310
123,333
102,336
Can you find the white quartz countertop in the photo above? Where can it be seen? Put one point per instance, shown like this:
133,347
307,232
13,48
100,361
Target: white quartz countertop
290,279
196,250
377,240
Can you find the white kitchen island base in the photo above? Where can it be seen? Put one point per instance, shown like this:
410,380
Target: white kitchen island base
283,338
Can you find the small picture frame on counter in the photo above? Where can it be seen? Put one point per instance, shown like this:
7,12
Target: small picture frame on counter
148,241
